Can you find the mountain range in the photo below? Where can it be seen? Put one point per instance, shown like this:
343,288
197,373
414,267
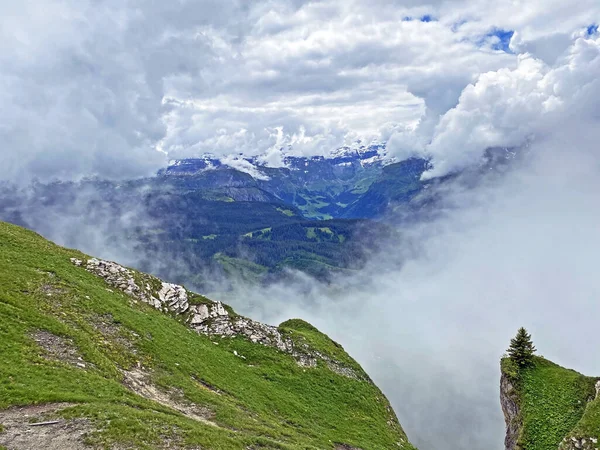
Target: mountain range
207,221
321,187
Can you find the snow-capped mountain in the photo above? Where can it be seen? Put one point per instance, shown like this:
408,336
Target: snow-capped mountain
320,186
356,154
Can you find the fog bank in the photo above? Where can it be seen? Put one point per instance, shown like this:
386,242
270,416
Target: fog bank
430,329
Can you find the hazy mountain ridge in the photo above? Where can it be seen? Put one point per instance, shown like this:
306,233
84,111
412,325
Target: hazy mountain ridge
210,225
320,186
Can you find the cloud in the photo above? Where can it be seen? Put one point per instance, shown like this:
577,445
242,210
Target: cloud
244,166
82,82
509,107
331,74
430,316
115,89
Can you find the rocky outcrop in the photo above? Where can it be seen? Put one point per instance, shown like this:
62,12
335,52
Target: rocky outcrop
208,318
168,297
573,443
509,400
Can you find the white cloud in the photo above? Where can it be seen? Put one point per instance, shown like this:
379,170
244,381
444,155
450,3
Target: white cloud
95,88
332,74
244,166
81,82
510,107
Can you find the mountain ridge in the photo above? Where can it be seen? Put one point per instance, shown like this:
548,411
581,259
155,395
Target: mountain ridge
114,358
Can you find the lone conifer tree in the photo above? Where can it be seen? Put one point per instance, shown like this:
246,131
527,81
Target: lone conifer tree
521,348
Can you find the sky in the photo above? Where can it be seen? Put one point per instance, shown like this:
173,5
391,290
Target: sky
116,89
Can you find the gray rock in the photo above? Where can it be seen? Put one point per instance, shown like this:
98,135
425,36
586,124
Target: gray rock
210,319
510,408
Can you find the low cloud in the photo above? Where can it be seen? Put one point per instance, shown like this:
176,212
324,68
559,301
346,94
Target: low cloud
431,316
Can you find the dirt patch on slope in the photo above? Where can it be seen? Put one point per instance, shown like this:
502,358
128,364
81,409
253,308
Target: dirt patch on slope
59,348
115,332
138,382
22,429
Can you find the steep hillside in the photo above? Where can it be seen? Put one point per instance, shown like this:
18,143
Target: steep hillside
397,184
97,354
548,407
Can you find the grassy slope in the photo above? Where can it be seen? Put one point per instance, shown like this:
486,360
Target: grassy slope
589,425
553,400
265,400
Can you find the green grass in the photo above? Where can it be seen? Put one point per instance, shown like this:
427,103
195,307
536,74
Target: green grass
286,212
216,196
552,400
363,185
263,401
241,268
589,425
303,332
259,234
312,206
312,234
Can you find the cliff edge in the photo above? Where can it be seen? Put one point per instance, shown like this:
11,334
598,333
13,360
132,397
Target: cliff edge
548,407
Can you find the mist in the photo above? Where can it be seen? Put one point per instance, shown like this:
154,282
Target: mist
430,317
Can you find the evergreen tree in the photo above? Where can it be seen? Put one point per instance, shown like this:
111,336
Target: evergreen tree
521,348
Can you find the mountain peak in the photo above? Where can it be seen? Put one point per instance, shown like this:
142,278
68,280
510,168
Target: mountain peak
357,153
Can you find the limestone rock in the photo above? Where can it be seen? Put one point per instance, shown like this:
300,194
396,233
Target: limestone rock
199,314
174,296
211,319
576,443
510,408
